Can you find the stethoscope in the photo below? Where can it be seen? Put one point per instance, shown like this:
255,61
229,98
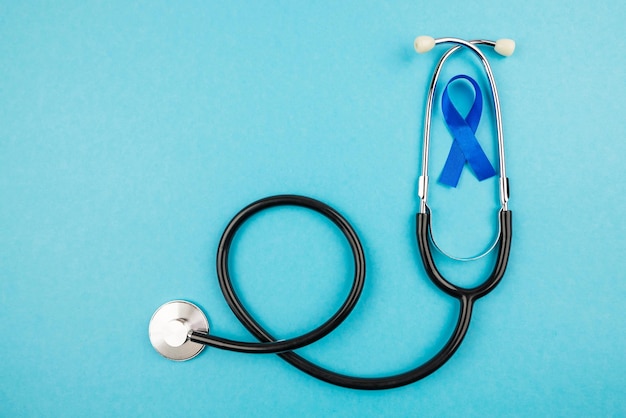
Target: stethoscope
179,329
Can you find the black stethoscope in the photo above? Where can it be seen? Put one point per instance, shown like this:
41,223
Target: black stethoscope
179,329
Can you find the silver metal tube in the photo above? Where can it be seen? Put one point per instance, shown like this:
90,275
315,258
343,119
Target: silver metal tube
423,180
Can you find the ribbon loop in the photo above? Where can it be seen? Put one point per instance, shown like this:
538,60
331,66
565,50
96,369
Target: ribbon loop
465,147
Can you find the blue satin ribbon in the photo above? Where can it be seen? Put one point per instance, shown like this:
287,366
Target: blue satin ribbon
465,147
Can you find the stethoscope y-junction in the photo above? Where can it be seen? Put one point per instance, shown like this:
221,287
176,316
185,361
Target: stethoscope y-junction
179,330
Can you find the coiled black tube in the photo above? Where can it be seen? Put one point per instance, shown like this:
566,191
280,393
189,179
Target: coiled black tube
269,344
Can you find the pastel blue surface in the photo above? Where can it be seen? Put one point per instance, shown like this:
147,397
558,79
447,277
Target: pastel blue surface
130,133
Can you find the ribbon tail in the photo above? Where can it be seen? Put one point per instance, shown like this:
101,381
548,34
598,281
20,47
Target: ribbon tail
480,165
453,167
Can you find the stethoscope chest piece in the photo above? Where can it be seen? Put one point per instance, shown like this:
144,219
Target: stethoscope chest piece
170,327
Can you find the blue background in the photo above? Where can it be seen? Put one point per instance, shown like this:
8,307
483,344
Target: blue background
130,133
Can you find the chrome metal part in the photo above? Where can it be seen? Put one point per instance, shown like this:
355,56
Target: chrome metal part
504,189
170,327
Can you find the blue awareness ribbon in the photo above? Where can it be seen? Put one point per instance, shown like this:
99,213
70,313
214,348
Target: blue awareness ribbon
465,147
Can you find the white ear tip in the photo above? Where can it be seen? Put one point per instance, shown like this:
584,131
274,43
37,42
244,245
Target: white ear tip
424,44
505,47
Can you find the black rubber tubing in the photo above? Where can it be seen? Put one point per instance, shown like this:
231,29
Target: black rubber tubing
269,344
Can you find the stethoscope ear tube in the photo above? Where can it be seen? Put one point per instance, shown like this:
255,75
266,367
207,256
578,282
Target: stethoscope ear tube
502,259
